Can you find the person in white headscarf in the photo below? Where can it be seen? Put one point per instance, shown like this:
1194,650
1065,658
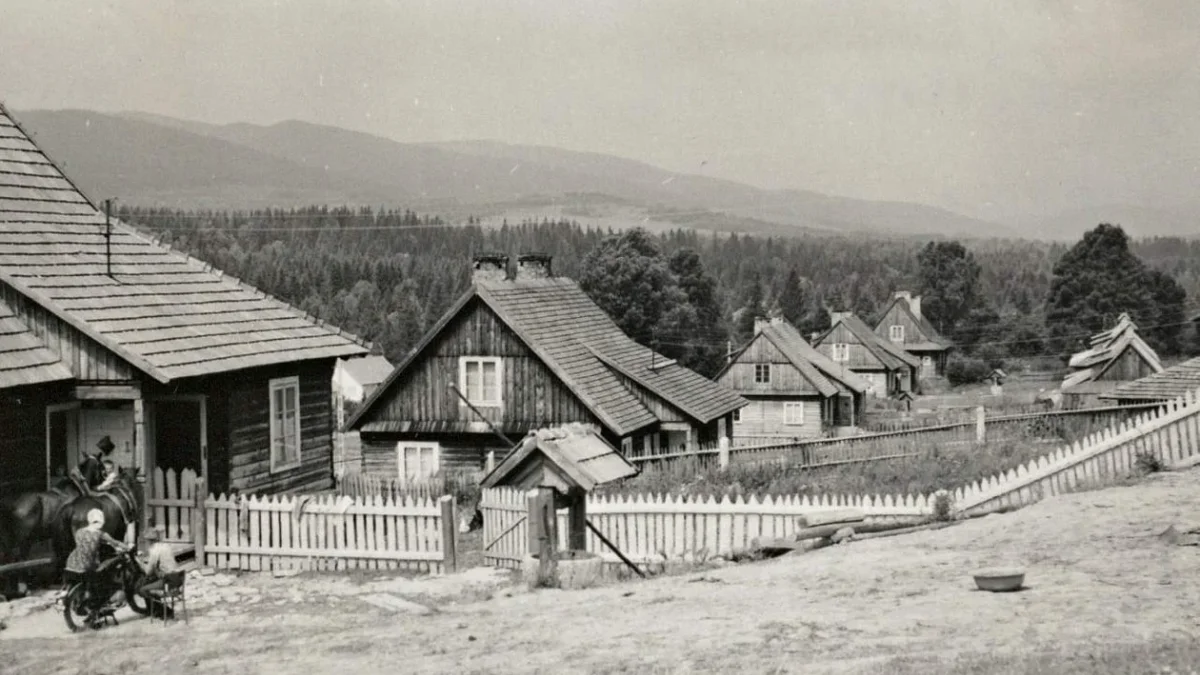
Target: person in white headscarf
86,557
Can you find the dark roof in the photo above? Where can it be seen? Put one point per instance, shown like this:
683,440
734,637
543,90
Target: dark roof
824,374
587,351
934,341
169,315
890,355
24,359
1170,384
581,453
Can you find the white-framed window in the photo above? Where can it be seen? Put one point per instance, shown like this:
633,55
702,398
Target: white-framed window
896,333
480,379
841,352
417,461
285,423
793,413
762,373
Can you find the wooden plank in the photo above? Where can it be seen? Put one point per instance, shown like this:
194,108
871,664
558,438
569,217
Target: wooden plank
265,552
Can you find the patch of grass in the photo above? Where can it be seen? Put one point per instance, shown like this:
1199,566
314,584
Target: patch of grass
1148,462
946,466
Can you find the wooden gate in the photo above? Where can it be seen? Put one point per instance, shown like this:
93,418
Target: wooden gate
176,505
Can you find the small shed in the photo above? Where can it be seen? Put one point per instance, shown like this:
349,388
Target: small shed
996,379
568,461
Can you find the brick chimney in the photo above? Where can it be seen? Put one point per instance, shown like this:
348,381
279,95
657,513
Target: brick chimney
761,322
533,266
490,267
838,315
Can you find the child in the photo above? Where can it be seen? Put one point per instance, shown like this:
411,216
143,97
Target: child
160,564
110,475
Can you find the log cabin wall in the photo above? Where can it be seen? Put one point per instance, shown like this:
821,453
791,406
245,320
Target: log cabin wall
239,411
456,452
87,358
532,396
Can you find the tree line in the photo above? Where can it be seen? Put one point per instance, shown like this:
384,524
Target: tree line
388,275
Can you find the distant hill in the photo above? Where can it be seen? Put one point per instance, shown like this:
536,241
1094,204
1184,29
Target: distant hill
147,159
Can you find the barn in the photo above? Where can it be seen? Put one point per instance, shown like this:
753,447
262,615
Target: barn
107,333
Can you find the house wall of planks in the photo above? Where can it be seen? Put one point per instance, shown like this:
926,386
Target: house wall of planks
532,396
87,359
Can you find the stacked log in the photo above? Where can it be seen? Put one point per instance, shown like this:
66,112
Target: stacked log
820,530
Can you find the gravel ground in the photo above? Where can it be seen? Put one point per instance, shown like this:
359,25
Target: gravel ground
1099,579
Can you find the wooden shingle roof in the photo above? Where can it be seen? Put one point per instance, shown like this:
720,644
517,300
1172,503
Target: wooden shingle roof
168,314
587,351
1104,349
24,359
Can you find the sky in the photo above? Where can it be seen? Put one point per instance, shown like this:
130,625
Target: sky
993,110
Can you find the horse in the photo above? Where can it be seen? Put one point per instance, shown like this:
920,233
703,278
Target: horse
28,518
121,504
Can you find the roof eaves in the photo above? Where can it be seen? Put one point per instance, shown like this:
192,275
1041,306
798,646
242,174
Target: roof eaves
823,385
82,326
660,392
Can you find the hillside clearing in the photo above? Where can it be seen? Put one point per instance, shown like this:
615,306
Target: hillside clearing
1105,595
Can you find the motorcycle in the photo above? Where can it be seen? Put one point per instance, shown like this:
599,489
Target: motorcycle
90,604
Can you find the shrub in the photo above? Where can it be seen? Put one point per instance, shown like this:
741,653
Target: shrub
966,370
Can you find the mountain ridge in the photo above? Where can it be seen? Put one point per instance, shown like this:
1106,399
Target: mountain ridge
156,160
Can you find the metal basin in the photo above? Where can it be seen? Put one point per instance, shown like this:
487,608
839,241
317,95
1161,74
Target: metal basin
1000,580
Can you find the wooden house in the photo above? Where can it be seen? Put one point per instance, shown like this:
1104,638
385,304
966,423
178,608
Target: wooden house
902,324
355,379
1113,356
517,354
794,391
850,342
104,332
1161,387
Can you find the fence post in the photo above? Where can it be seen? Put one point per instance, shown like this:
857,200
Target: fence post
449,542
199,519
491,461
723,453
980,424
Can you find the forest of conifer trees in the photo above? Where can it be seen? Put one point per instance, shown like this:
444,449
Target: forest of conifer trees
388,275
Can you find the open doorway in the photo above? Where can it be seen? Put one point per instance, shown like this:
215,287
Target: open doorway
180,433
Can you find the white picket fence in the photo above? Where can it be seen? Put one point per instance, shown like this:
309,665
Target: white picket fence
173,503
656,528
649,528
328,532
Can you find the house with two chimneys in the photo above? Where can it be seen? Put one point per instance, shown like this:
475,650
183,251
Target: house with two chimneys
794,390
525,350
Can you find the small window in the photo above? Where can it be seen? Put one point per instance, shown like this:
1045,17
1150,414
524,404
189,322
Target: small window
627,446
417,461
896,333
737,415
480,380
841,352
793,414
762,373
285,423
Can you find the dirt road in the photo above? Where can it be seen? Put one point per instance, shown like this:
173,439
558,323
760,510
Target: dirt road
1100,582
